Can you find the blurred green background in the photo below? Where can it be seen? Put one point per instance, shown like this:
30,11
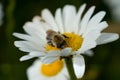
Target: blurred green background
104,65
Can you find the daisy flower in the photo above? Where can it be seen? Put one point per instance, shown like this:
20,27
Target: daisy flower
54,71
67,35
37,71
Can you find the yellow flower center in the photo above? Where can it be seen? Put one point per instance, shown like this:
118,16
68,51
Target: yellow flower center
72,40
52,69
49,47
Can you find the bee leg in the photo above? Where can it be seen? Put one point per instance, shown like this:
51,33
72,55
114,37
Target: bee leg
65,36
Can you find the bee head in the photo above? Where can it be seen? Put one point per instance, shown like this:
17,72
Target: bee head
58,38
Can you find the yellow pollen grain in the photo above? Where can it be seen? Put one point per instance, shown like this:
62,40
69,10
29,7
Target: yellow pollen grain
52,69
73,40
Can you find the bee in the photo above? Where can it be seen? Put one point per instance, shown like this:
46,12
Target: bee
56,39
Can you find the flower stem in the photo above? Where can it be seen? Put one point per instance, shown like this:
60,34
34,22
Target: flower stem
70,68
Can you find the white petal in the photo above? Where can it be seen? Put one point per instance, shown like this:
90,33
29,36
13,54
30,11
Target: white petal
28,46
25,49
107,37
30,40
78,18
35,30
62,78
66,52
101,26
22,36
41,22
37,54
75,53
51,57
33,71
23,44
85,20
69,13
59,20
95,20
45,25
48,17
89,53
79,65
89,41
36,19
54,53
26,57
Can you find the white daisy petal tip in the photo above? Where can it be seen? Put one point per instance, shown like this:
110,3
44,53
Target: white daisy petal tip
105,24
79,65
16,43
89,53
48,17
18,35
36,19
44,10
107,37
26,57
102,13
116,36
86,19
84,5
14,34
69,6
